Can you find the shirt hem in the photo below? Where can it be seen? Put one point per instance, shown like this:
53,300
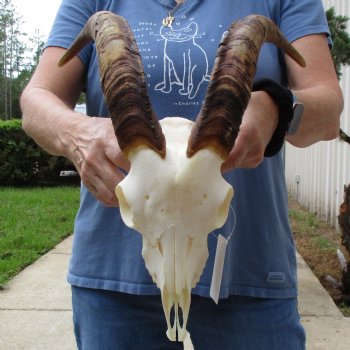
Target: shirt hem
203,291
308,31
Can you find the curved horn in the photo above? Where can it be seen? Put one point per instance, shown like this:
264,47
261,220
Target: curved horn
229,91
122,80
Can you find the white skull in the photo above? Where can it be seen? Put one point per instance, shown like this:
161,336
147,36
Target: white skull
174,203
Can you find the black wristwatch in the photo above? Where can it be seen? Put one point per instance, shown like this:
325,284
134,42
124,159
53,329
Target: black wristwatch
290,113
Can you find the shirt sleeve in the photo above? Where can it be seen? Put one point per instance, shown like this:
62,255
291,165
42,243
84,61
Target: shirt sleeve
302,17
70,20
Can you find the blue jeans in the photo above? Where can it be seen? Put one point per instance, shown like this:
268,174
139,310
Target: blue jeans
105,320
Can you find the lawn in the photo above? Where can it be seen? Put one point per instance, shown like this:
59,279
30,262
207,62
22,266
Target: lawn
33,221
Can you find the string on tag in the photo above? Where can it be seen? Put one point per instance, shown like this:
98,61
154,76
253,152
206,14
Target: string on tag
234,224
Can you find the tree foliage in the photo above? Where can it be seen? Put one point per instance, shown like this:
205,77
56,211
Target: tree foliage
341,39
19,56
341,48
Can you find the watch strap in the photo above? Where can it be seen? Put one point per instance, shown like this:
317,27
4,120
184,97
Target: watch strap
283,98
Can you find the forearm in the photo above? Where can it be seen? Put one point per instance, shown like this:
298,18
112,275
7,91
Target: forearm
49,118
49,121
48,102
318,88
88,142
320,121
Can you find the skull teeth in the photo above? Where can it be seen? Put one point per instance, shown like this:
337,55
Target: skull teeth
178,308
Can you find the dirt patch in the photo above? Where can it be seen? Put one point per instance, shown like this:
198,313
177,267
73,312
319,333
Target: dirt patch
317,242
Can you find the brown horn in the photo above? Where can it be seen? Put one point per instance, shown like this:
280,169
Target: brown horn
122,80
229,90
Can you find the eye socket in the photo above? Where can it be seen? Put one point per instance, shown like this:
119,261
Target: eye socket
124,206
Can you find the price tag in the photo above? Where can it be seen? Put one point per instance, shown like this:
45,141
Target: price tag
218,268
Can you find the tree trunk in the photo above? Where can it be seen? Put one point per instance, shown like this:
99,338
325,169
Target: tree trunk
344,223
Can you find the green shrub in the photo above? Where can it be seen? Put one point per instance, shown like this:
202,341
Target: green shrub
22,161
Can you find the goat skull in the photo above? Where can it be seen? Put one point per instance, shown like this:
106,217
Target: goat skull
170,203
174,194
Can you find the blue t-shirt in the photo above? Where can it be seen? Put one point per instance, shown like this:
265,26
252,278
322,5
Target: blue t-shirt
260,259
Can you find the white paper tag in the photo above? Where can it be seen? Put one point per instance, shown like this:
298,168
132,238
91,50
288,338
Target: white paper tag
218,268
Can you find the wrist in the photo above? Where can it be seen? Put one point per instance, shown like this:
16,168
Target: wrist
267,103
71,125
284,101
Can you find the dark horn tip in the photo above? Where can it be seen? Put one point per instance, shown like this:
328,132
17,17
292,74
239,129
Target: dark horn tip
302,62
63,60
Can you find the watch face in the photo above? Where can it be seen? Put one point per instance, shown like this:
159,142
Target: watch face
298,113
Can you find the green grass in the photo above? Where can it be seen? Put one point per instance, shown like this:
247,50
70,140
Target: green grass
308,226
33,221
324,244
307,221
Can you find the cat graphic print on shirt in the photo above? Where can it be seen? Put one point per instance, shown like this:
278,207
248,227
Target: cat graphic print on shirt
175,59
182,61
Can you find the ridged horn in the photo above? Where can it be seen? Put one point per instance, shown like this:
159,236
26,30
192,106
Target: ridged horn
123,81
229,90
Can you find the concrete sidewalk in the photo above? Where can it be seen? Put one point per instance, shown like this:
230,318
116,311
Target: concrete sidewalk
35,309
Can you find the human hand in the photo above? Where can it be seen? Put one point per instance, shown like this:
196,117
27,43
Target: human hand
258,125
97,157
